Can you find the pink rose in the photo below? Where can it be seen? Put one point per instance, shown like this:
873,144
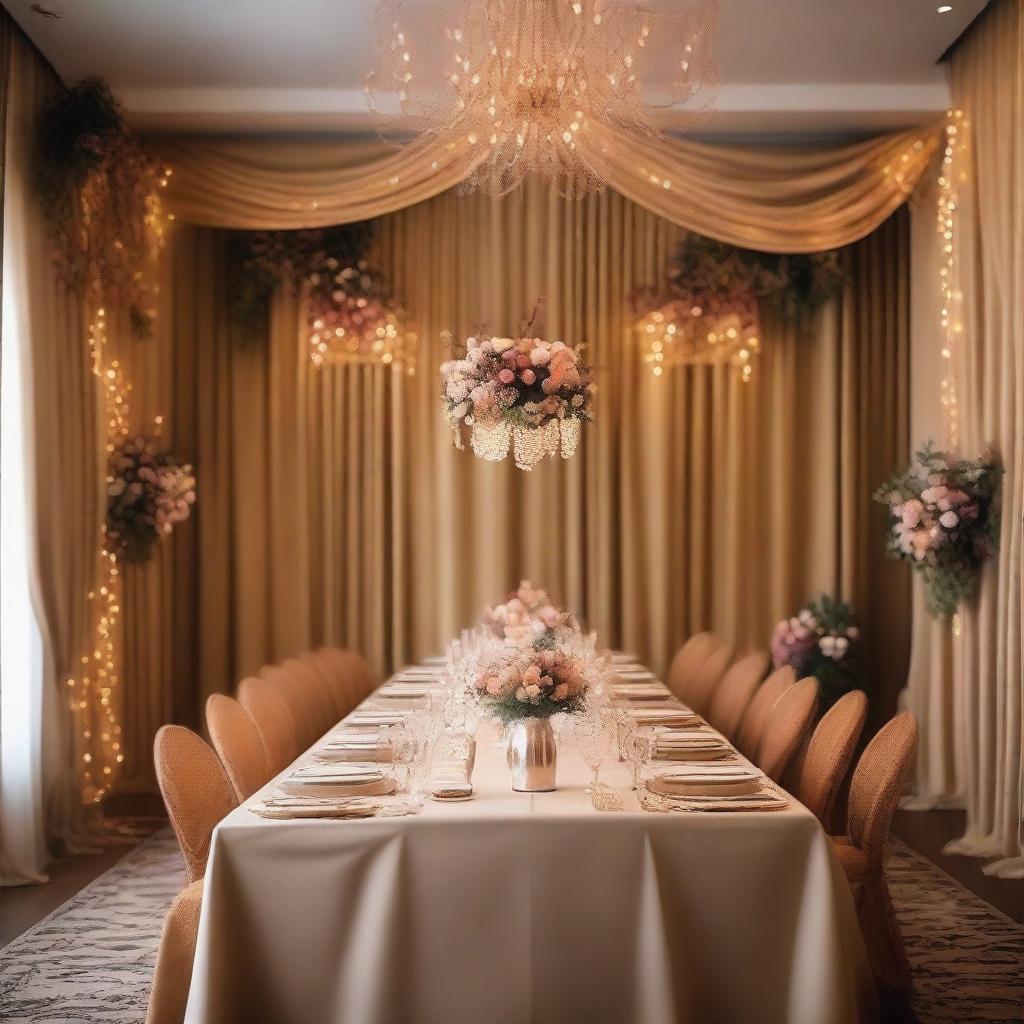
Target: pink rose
506,376
540,357
528,377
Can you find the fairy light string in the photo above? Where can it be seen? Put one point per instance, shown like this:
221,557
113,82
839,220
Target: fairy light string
951,176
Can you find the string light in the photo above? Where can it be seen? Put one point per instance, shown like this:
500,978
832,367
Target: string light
951,176
94,691
677,335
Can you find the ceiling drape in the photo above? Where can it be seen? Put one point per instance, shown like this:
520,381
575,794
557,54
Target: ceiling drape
759,197
333,507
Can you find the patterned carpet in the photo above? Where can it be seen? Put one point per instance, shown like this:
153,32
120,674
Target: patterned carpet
91,960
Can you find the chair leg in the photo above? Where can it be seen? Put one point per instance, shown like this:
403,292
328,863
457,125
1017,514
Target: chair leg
882,934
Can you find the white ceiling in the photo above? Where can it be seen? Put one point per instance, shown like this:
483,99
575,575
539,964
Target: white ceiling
253,65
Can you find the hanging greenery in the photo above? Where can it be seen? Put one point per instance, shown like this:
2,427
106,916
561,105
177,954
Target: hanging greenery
353,318
711,308
792,285
99,188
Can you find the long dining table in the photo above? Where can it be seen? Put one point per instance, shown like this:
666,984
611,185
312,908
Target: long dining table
517,907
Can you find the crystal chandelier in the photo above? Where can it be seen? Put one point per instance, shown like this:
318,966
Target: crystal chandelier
540,87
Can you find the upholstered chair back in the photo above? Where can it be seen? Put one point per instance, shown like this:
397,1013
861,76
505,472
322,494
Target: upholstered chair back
196,790
735,691
273,721
829,754
766,696
786,726
700,691
686,660
239,747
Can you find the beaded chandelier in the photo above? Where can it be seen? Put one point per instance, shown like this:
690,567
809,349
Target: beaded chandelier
542,87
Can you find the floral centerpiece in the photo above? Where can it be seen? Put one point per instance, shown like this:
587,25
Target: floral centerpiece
821,640
148,493
523,684
526,615
525,393
945,522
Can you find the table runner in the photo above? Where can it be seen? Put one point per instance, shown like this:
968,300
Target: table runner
527,908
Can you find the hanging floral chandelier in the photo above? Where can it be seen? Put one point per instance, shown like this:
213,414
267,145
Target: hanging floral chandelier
531,87
353,319
521,395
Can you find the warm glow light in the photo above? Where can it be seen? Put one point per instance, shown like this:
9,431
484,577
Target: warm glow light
951,177
680,335
944,9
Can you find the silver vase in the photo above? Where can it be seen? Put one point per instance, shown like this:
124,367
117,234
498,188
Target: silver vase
532,755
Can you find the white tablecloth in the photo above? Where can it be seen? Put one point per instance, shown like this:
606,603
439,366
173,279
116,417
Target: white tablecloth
527,908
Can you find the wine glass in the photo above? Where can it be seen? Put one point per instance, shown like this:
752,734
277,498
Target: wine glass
595,737
639,751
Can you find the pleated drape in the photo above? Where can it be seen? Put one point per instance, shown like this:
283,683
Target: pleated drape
987,79
333,507
60,448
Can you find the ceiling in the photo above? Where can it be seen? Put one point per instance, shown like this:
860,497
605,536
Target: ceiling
787,66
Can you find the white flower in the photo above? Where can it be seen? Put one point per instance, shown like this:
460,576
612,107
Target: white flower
853,632
841,645
827,646
949,519
502,344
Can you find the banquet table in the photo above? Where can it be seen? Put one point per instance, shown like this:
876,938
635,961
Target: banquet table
515,907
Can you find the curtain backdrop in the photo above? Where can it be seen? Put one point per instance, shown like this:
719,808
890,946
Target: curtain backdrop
781,200
987,78
53,466
333,507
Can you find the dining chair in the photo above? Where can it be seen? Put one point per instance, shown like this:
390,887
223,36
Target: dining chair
319,693
342,688
700,691
273,721
735,691
686,660
766,696
197,794
238,744
355,666
175,955
829,754
876,787
196,790
299,701
786,726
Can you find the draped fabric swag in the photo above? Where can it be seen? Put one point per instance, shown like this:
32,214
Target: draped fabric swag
780,200
334,508
53,471
969,688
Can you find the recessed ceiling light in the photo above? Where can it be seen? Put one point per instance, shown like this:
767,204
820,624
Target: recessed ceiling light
944,8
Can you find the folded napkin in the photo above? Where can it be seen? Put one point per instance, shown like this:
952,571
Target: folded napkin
622,658
337,779
402,691
707,779
283,807
373,719
640,691
664,716
636,675
766,800
434,659
421,672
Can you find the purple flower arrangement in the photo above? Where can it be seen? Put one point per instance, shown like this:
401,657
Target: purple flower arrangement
821,640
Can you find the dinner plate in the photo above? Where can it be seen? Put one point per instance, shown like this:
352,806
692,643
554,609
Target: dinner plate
665,785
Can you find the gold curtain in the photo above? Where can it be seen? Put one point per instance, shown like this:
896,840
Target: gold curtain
333,507
61,444
781,200
987,78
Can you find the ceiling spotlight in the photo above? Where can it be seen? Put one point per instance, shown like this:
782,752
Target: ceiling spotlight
944,8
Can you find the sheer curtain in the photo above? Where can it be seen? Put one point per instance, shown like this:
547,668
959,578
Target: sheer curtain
52,473
334,508
987,78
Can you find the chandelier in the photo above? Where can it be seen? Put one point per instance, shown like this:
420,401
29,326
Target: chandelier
541,87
